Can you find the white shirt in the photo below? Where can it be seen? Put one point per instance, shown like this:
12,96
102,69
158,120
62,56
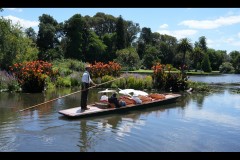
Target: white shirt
137,99
86,77
104,98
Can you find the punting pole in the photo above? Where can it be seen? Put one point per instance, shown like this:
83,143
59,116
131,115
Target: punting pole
66,95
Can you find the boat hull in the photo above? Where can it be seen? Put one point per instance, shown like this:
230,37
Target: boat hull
95,111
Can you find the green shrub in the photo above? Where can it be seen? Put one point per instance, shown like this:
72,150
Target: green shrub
63,82
226,67
107,78
120,83
148,82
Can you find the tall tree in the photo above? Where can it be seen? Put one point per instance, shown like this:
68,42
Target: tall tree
237,64
121,34
184,46
109,39
167,46
132,30
95,48
48,37
202,44
206,66
31,34
151,57
233,55
196,56
128,58
141,47
146,35
103,23
77,34
15,47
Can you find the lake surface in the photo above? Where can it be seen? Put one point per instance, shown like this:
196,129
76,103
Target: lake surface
223,78
197,122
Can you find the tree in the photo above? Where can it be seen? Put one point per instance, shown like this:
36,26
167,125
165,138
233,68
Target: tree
226,67
196,56
31,34
206,66
184,46
156,38
121,34
128,58
77,34
15,47
151,57
237,64
202,43
46,38
233,55
141,47
132,30
102,23
146,35
109,39
95,49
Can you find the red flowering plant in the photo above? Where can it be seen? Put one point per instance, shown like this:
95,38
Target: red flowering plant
32,75
100,69
159,76
167,80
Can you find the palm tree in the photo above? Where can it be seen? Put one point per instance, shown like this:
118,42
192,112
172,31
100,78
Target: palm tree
184,46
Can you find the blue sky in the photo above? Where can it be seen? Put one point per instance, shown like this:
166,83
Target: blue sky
220,26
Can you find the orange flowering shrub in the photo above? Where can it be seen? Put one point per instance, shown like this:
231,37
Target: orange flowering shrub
100,69
159,76
32,75
167,80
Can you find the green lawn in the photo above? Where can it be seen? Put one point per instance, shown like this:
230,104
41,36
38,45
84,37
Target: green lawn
142,71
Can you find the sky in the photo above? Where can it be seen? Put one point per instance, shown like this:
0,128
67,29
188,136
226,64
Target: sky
220,26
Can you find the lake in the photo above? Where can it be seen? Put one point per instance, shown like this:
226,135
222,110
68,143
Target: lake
196,122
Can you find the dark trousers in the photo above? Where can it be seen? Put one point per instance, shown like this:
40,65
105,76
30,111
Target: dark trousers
84,95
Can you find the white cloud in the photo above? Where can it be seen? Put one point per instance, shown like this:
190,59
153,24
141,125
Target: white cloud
24,23
179,33
229,40
163,26
209,41
236,43
14,9
238,34
211,24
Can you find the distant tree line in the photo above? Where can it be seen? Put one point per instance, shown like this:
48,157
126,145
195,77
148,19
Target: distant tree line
104,38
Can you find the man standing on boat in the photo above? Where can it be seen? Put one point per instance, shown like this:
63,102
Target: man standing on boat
86,81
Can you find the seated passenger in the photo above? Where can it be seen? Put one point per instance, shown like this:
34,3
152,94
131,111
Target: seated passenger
104,98
113,99
136,99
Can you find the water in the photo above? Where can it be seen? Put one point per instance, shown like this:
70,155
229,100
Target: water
197,122
223,78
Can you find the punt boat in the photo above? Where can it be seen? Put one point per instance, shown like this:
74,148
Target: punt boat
100,108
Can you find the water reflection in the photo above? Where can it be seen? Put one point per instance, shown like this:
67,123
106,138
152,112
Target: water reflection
179,126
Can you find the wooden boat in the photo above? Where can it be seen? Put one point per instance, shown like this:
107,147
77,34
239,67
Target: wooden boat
98,109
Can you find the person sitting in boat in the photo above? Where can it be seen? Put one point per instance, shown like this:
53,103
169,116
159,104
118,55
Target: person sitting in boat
113,99
104,98
136,99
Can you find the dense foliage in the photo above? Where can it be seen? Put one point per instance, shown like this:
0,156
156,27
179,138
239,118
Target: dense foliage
103,38
32,75
168,81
